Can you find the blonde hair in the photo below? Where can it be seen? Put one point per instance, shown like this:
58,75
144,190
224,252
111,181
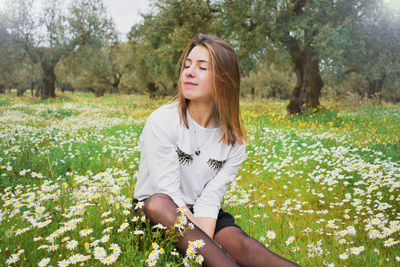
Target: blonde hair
225,81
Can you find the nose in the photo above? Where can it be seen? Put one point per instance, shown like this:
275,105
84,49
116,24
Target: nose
190,72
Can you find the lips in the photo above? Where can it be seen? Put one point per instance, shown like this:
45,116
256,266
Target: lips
189,84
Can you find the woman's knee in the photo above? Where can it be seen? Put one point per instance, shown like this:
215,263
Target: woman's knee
158,205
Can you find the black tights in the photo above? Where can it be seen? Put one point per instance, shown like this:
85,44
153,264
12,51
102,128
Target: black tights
245,251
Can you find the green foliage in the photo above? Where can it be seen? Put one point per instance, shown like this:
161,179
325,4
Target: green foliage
355,43
268,81
63,31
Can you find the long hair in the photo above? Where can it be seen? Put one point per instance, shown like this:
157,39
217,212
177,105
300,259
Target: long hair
225,80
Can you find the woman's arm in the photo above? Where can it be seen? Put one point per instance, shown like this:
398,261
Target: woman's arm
206,224
209,201
158,151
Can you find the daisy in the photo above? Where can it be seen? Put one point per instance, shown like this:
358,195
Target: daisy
99,253
40,209
108,260
174,252
342,233
43,246
105,239
289,240
159,226
85,232
182,220
12,259
388,243
52,247
44,262
271,234
74,259
105,214
180,210
155,246
351,230
372,234
63,263
122,227
116,250
86,245
72,244
344,256
107,230
355,250
94,243
198,243
199,259
65,239
126,212
190,252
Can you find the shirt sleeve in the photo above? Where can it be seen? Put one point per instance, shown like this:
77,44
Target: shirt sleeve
162,160
209,202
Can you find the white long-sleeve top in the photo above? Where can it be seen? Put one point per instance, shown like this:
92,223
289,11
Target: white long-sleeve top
169,165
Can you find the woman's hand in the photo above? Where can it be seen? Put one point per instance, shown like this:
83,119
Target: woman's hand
206,224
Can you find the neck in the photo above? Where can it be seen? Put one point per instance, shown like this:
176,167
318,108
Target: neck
203,114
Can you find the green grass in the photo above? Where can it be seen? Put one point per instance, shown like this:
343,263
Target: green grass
306,177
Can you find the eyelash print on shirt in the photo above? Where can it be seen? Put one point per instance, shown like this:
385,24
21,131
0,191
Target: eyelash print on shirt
183,157
214,164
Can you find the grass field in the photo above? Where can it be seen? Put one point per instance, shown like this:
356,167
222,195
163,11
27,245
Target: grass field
319,189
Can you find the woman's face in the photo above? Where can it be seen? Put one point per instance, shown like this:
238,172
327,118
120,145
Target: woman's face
196,76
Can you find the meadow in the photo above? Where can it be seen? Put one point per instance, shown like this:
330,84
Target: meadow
319,189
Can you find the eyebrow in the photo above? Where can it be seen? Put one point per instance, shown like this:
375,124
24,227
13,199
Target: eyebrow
200,60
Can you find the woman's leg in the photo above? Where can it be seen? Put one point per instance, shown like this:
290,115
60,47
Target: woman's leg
160,208
247,251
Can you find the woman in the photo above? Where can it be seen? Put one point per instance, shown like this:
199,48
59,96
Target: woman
192,149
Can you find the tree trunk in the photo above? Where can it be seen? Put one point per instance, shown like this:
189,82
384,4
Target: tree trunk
2,89
32,86
116,86
307,91
99,91
39,89
20,92
375,86
49,80
277,92
153,88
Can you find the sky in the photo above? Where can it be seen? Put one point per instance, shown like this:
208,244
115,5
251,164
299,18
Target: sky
125,13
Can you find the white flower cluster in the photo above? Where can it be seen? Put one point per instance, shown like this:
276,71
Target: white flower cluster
182,222
191,252
154,255
101,254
